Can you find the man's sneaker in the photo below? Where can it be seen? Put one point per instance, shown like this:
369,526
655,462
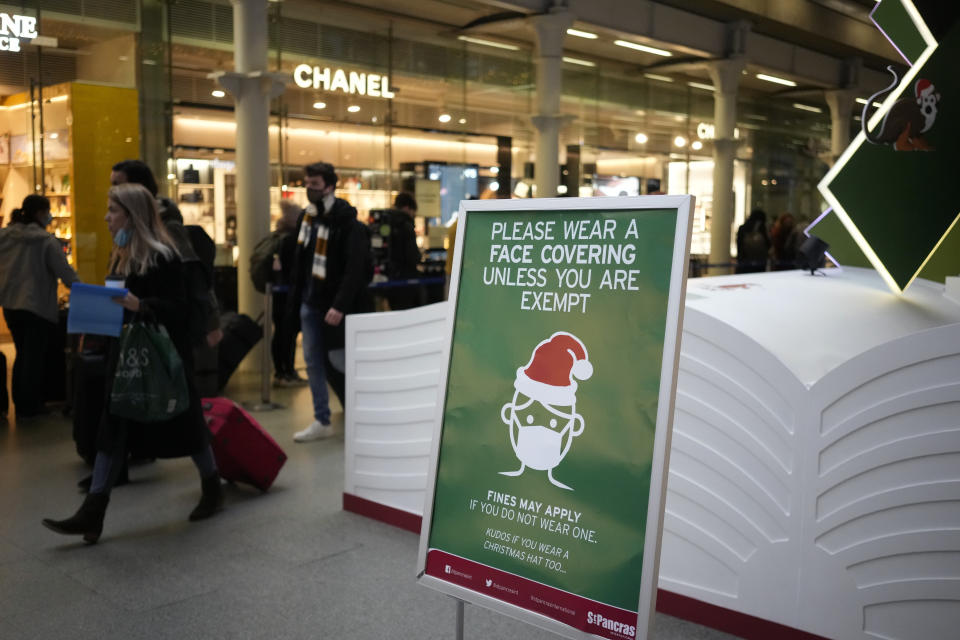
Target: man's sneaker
294,380
315,431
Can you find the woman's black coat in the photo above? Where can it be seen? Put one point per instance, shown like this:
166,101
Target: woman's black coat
163,297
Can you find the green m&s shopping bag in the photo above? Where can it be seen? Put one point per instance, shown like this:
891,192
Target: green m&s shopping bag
150,384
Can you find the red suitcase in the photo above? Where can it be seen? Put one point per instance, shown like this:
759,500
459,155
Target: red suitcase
244,451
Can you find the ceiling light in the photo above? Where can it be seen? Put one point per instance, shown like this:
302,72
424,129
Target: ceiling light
642,47
582,34
494,185
374,119
776,80
489,43
495,170
807,107
319,105
353,108
656,76
54,135
444,117
582,63
217,93
680,141
462,121
171,176
696,145
700,85
641,138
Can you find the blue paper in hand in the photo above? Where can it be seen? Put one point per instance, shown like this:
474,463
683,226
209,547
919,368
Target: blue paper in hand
92,311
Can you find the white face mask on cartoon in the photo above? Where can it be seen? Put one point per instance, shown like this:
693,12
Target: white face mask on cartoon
539,448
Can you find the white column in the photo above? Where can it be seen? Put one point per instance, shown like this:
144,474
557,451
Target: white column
251,87
841,103
551,28
726,78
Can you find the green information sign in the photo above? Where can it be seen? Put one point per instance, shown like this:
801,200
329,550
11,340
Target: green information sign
554,427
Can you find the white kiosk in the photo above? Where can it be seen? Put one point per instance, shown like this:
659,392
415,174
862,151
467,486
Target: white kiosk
815,466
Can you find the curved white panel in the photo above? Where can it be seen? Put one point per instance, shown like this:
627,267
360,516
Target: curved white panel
393,371
702,564
913,619
735,444
733,486
909,416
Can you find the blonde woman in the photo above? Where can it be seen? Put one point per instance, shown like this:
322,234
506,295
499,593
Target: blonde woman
145,257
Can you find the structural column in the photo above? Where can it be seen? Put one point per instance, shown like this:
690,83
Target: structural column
252,87
726,78
551,28
156,119
841,103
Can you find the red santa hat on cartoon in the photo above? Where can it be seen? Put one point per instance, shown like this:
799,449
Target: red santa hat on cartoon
923,88
549,376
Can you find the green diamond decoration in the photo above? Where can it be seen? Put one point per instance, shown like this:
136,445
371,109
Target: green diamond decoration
899,205
893,19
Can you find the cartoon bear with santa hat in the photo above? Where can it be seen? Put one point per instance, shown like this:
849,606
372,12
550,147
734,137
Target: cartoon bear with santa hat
542,417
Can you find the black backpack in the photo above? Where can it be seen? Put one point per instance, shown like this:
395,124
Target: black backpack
261,260
755,247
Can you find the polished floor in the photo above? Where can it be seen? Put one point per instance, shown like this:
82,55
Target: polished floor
286,564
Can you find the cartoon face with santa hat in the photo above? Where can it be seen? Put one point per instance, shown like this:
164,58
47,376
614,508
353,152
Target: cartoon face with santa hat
542,417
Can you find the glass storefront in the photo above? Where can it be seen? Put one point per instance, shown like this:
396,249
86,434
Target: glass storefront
68,110
393,104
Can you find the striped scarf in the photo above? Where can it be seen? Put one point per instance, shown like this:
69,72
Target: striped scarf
319,270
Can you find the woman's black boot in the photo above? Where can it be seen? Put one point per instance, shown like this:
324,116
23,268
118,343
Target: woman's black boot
211,500
87,521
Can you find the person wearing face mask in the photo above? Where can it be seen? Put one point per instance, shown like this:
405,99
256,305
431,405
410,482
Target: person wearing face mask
31,262
146,258
332,268
196,250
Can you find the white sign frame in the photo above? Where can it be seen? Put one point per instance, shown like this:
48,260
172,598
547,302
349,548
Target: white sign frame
684,205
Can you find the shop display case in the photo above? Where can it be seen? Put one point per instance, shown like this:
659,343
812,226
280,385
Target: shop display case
35,163
68,159
197,205
211,201
85,130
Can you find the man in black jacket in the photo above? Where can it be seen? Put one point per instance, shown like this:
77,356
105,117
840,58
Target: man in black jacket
333,267
404,253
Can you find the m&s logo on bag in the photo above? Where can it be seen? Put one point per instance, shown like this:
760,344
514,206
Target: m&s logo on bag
134,361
